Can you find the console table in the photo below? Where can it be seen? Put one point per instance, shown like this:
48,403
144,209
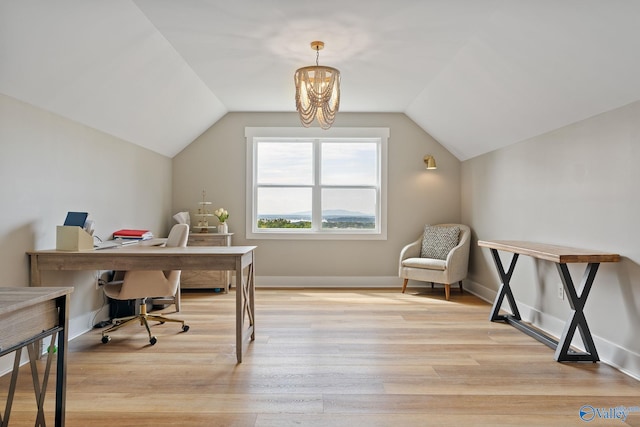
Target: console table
27,315
561,256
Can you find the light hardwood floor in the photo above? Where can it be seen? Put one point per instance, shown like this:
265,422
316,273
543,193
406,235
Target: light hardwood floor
330,358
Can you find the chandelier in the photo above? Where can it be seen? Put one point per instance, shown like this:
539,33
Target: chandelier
317,92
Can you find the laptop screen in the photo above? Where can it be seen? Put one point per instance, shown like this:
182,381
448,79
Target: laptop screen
76,218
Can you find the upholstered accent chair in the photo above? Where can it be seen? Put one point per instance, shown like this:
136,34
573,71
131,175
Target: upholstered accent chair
439,255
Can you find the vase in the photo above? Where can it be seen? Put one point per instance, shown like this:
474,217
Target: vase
223,228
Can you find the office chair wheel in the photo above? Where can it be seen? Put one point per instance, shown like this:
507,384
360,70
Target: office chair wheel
106,339
185,328
153,340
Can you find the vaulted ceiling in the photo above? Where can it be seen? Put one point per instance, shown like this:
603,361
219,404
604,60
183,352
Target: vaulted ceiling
475,74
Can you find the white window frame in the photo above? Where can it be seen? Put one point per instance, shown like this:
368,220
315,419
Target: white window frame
255,134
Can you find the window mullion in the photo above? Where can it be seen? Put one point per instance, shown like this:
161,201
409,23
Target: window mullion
316,204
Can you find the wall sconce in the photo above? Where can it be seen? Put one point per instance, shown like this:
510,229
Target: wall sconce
430,162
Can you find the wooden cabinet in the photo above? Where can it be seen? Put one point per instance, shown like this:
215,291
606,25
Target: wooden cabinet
201,279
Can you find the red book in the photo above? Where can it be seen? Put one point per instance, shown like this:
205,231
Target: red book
134,234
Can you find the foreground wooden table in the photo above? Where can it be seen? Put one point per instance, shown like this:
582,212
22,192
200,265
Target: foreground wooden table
140,257
561,256
27,315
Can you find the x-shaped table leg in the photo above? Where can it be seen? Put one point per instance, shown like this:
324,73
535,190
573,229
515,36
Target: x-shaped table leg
4,422
577,319
505,289
245,306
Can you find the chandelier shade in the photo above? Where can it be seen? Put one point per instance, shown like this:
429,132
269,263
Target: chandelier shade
317,92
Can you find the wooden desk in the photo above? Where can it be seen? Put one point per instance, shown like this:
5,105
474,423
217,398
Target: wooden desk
561,256
27,315
139,257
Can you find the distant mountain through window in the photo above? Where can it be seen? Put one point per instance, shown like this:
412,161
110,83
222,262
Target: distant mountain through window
336,218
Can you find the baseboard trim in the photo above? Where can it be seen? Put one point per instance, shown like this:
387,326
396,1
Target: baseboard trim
623,359
328,282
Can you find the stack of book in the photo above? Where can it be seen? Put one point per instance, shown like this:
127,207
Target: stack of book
126,234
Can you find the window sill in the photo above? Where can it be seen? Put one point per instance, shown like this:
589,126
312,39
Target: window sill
276,235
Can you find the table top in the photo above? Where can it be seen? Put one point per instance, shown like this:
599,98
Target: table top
555,253
143,250
16,298
139,257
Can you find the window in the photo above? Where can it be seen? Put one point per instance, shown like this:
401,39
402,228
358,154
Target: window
308,183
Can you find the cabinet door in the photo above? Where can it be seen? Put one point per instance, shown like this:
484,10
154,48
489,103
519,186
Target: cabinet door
203,279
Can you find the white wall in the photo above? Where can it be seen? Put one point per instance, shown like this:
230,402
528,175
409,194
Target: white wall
215,162
50,165
576,186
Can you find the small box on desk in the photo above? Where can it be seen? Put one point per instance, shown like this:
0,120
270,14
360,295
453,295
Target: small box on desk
73,238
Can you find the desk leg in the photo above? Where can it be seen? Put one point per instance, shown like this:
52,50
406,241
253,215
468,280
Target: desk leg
505,289
245,304
239,312
577,320
61,365
4,422
40,391
252,300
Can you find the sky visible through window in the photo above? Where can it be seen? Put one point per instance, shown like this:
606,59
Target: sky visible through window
286,170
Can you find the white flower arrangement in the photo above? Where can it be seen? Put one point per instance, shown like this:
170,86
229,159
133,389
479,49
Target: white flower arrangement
221,214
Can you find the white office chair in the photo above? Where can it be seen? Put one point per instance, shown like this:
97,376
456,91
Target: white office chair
143,284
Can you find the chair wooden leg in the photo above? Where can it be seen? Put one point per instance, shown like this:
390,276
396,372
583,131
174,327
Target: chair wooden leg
447,291
432,285
404,285
461,291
